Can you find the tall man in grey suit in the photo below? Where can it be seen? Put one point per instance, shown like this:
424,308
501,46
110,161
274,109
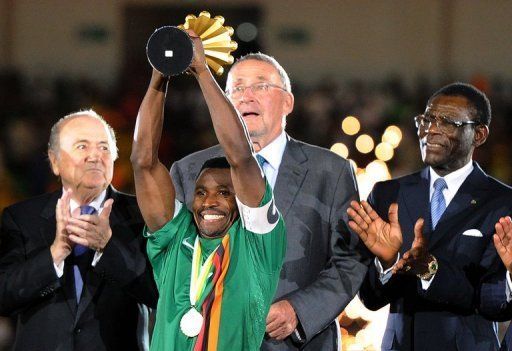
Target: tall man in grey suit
313,187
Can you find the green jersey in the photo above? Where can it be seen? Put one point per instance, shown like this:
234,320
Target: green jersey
257,245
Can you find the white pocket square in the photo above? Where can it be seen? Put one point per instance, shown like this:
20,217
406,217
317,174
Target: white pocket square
473,232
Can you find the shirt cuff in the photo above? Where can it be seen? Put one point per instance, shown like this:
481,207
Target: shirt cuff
96,258
385,275
508,287
59,269
425,284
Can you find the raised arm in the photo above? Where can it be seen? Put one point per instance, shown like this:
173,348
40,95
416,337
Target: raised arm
231,132
153,184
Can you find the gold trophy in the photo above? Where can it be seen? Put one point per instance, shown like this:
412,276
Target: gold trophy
170,49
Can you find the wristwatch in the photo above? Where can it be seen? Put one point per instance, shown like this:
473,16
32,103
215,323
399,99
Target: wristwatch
432,269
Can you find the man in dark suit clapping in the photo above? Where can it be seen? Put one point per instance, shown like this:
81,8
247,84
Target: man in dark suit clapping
431,232
73,268
313,187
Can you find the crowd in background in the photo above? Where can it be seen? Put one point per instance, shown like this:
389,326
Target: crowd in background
28,107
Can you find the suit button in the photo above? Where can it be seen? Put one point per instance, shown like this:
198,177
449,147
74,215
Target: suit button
78,331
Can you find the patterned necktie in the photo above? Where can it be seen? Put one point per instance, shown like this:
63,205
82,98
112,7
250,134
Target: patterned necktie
261,160
78,252
437,204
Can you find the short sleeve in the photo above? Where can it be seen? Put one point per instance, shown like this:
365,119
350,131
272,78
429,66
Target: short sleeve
161,241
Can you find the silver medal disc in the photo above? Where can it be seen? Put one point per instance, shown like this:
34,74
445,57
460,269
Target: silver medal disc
191,323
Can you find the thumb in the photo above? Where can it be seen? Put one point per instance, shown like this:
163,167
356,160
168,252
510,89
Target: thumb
393,213
107,208
418,231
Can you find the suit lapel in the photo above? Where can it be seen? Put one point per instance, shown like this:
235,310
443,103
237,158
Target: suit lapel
290,176
48,234
93,281
48,213
415,197
472,191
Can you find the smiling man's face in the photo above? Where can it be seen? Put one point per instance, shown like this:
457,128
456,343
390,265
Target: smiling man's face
214,204
447,152
264,115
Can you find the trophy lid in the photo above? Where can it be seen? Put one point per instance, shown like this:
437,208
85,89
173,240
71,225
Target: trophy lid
170,50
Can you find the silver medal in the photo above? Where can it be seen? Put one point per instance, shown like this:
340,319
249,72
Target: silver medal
191,323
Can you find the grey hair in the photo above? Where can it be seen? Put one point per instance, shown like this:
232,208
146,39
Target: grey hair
54,142
258,56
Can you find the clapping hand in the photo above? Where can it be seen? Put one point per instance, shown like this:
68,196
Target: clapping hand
92,231
503,241
383,239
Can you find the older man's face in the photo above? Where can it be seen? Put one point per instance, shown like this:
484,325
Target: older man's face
84,160
263,112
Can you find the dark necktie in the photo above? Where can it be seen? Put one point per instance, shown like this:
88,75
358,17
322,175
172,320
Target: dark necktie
80,259
437,204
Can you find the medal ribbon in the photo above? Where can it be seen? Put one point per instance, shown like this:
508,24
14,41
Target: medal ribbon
199,274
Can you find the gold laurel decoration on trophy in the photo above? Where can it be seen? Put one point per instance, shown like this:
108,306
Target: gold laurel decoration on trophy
216,39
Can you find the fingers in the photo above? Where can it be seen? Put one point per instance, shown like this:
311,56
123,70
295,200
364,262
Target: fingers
66,197
78,227
107,208
500,247
191,33
359,213
401,266
500,231
503,235
356,212
273,326
357,229
393,213
62,208
58,209
78,240
279,333
370,214
418,232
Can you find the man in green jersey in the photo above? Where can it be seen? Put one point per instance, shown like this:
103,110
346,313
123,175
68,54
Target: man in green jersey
217,266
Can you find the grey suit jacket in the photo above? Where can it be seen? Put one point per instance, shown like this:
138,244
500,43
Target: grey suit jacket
324,264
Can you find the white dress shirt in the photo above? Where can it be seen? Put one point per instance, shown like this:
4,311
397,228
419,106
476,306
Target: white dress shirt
273,154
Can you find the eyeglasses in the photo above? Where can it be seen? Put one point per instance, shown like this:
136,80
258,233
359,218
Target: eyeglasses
258,89
443,124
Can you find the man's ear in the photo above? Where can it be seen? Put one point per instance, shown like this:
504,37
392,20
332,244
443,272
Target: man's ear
288,103
53,162
481,134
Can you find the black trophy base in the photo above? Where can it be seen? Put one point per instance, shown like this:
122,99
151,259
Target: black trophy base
170,50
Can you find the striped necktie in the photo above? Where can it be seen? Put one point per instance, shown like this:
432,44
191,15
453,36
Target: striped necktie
437,204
